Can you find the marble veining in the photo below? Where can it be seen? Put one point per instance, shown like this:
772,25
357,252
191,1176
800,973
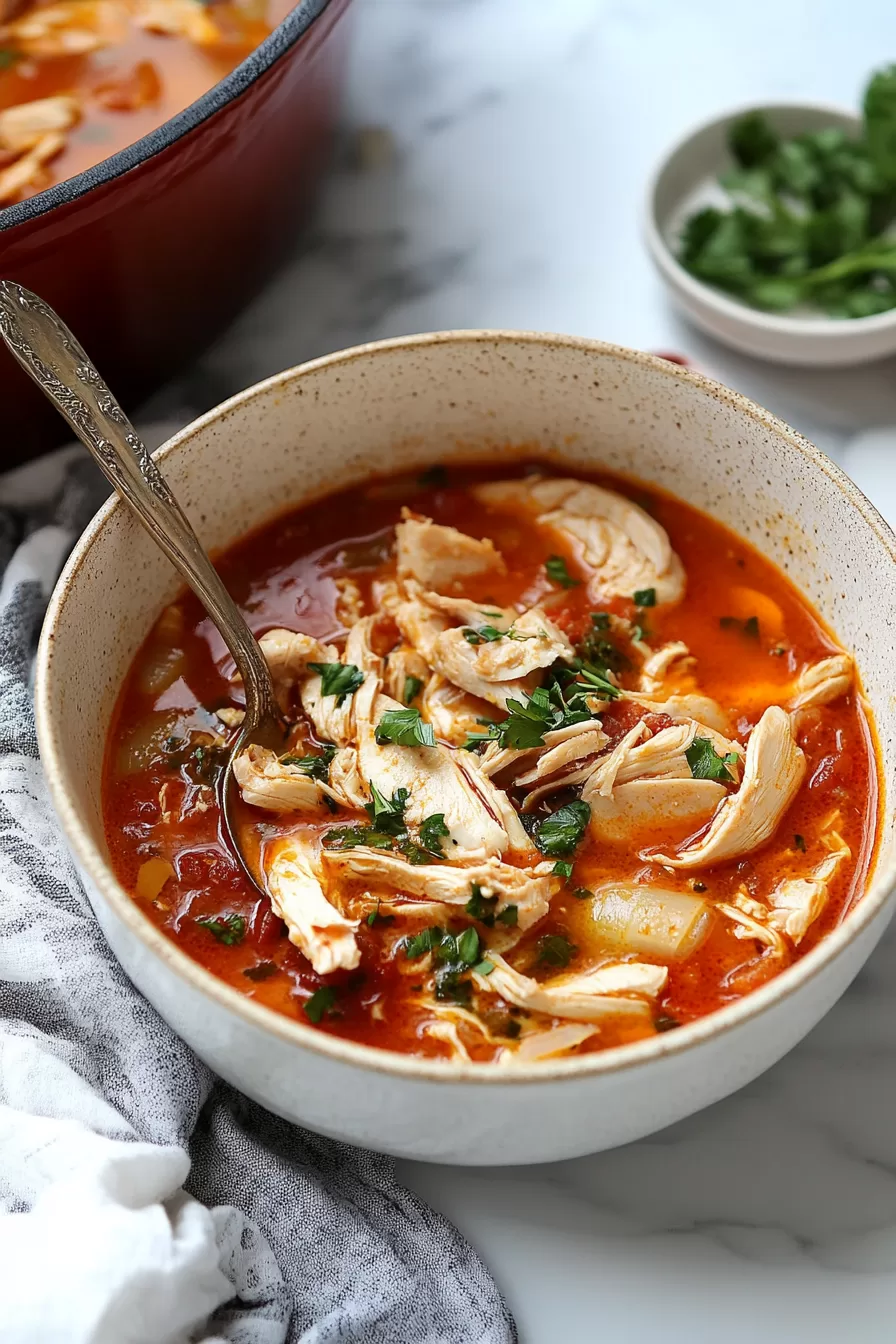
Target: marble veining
491,173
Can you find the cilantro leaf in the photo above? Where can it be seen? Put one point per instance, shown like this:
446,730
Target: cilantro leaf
481,907
485,634
645,597
600,620
318,767
484,967
412,688
405,728
322,1001
706,763
560,833
349,837
555,950
418,944
432,832
582,894
880,123
509,916
468,946
526,723
799,843
339,679
562,869
228,929
751,140
387,814
557,572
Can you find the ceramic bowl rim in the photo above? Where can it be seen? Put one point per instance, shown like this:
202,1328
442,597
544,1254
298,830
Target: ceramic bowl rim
372,1058
818,329
287,33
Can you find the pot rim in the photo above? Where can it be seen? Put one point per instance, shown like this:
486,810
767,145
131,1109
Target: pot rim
294,26
372,1058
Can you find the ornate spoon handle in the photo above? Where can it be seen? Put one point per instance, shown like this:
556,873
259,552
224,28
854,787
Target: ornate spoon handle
50,354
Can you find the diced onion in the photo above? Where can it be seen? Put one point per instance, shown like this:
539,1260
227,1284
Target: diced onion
651,920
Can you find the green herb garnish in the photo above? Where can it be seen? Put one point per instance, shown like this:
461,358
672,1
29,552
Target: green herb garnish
405,728
645,597
706,763
228,929
799,843
562,869
665,1023
322,1001
387,814
318,767
557,572
560,833
484,967
600,620
486,634
412,688
481,907
555,950
432,832
509,916
582,894
262,971
339,679
418,944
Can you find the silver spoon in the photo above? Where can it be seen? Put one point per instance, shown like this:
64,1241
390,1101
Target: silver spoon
49,353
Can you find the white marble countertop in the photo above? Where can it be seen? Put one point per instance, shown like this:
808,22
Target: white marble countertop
523,133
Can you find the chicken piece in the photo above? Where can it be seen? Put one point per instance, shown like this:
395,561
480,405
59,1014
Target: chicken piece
24,126
623,545
655,670
439,557
529,889
465,610
333,716
420,625
548,1044
178,18
774,770
266,782
349,602
401,664
497,803
346,784
820,683
588,997
798,901
533,642
139,86
654,806
315,926
496,760
445,1030
359,649
230,716
287,654
28,171
701,709
565,748
457,660
453,713
68,29
750,918
603,776
433,779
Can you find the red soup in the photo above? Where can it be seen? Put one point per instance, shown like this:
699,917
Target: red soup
569,764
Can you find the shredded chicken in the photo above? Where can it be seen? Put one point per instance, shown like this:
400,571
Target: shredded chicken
438,557
178,18
588,997
529,889
24,126
349,602
548,1044
287,654
230,716
657,667
316,927
773,772
623,545
267,783
72,28
346,784
400,665
798,901
700,709
453,712
28,170
822,682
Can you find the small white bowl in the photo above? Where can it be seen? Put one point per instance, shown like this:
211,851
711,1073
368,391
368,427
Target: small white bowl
682,183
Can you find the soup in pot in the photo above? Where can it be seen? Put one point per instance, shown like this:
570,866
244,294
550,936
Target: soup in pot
569,764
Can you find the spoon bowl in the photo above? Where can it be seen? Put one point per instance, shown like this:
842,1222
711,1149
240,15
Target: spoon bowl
53,358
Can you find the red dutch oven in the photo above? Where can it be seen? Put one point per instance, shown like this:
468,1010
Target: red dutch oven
150,253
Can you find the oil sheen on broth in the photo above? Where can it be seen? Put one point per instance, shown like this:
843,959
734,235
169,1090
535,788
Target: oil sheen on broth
570,764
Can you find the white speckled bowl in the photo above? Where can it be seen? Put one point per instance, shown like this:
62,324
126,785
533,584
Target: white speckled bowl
409,403
682,183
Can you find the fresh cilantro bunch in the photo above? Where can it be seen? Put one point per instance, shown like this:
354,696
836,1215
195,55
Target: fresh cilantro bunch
811,217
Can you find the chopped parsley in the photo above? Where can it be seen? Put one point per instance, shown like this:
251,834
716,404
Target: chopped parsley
432,831
405,728
468,946
600,620
228,929
349,837
339,679
560,833
562,869
374,917
318,767
645,597
387,814
486,634
322,1001
418,944
555,567
799,843
509,916
582,894
412,688
555,950
481,907
262,971
453,955
706,763
484,967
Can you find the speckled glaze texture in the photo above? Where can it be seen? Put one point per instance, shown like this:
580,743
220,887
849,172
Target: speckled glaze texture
407,403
